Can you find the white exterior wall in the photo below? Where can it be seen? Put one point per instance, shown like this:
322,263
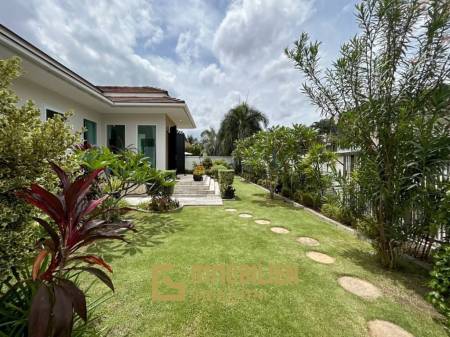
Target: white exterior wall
131,122
46,99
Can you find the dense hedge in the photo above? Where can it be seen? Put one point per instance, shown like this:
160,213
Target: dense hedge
440,282
213,172
226,178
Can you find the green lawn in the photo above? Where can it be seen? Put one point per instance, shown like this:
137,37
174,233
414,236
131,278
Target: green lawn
315,306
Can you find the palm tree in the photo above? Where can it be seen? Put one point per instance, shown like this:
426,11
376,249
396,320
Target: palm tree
210,141
240,122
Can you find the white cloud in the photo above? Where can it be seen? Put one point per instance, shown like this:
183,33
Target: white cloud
212,56
212,75
253,29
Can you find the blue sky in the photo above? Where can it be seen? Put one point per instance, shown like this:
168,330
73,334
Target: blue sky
213,54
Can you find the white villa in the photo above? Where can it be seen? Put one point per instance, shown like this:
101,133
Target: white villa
143,118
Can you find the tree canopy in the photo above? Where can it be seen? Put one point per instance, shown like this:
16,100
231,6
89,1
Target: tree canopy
388,89
240,122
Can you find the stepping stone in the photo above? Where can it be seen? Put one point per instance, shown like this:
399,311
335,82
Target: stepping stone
378,328
320,257
245,215
359,287
262,222
304,240
230,210
279,230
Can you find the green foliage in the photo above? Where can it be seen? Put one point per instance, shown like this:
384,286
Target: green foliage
240,122
226,178
207,163
195,149
210,142
222,163
16,299
331,211
126,172
389,92
163,203
316,179
27,145
440,282
214,171
288,155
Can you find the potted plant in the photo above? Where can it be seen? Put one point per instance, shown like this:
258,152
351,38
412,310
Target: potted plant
198,173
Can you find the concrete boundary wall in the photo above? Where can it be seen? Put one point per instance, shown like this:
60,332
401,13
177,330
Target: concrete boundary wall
190,160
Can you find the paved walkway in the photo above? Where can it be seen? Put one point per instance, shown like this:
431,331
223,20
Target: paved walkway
197,193
189,192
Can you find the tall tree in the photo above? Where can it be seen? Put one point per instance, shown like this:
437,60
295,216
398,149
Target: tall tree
386,86
240,122
210,141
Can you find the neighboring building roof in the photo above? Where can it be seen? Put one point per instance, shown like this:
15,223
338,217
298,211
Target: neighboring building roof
132,90
133,99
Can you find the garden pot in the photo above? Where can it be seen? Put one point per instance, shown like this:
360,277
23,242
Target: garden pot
197,178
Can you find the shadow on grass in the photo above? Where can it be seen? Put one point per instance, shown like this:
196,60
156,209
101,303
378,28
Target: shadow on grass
152,229
409,275
263,200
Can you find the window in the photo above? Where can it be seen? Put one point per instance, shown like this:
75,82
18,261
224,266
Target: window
116,137
52,113
90,131
147,142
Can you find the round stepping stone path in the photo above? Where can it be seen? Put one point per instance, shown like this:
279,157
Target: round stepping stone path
230,210
320,257
304,240
378,328
359,287
279,230
245,215
262,222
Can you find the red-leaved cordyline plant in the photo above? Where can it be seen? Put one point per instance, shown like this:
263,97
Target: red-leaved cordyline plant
57,298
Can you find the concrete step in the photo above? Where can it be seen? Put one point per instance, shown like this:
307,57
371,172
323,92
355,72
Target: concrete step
194,192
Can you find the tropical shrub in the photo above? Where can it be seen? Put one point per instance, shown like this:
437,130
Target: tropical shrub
214,171
195,149
229,192
72,228
207,163
163,203
440,282
226,178
389,92
332,211
221,162
27,145
309,199
125,172
16,301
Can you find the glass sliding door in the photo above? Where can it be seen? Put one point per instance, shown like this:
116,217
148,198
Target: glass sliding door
90,131
147,142
116,137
